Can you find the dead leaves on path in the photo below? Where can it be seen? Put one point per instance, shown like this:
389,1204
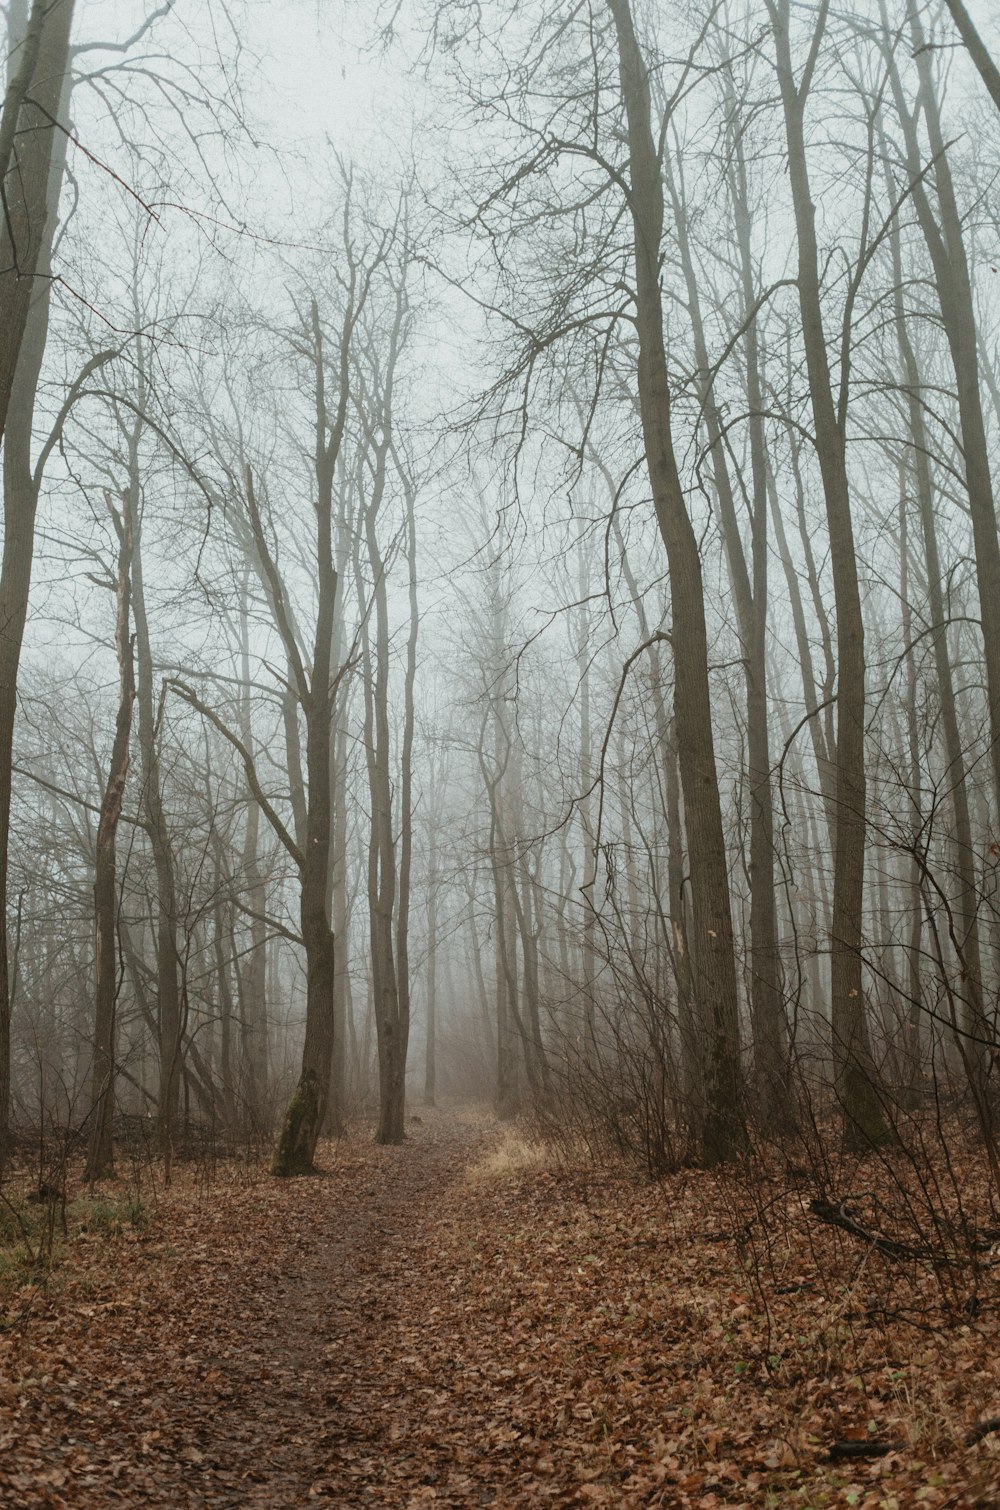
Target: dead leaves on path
392,1334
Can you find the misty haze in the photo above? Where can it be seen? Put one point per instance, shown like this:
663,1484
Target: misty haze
500,753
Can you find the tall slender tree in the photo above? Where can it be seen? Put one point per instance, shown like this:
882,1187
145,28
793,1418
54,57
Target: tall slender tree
855,1075
715,963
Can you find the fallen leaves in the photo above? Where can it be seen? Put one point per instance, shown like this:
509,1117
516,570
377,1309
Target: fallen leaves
394,1334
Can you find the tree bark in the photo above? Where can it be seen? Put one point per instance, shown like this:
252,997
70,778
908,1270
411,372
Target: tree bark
391,987
31,147
967,900
304,1118
340,911
749,583
978,51
914,989
252,973
854,1073
723,1133
508,1039
406,815
689,1030
946,244
169,1010
430,1055
100,1161
26,236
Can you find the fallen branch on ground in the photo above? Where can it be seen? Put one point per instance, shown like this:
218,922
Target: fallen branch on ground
982,1429
838,1214
864,1449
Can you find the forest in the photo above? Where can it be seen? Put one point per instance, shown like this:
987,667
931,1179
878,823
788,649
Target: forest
500,753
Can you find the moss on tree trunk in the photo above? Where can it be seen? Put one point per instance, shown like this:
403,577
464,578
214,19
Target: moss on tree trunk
297,1144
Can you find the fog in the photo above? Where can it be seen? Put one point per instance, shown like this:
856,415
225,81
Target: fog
513,589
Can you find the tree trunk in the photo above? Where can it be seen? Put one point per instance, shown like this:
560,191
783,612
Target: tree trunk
430,1055
723,1132
169,1012
914,991
767,1009
520,888
394,1121
27,229
946,245
854,1074
386,887
966,907
689,1031
32,159
252,973
821,744
339,906
100,1161
306,1113
988,70
509,1040
589,855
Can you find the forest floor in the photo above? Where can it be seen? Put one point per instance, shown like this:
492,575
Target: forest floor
467,1320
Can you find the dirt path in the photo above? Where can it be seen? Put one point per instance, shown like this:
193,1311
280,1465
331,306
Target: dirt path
316,1409
258,1349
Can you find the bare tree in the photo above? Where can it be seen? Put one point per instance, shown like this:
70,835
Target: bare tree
856,1086
715,965
388,870
32,158
100,1161
978,50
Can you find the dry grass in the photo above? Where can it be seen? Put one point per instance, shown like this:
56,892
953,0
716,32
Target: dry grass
514,1153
